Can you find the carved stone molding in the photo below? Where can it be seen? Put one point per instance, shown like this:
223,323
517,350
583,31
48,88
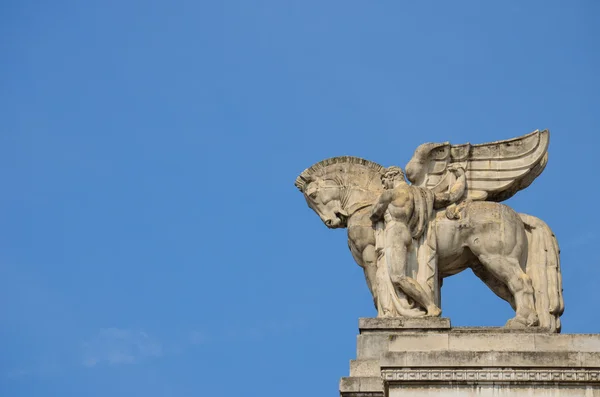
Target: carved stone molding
491,375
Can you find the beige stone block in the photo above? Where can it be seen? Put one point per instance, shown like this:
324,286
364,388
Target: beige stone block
371,346
361,384
365,368
589,359
497,330
491,342
399,324
585,343
493,391
568,342
418,342
483,359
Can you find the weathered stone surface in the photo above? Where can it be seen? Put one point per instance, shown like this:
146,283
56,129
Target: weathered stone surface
365,368
408,237
573,342
371,345
459,339
491,342
434,359
500,330
474,362
418,342
387,324
494,391
361,384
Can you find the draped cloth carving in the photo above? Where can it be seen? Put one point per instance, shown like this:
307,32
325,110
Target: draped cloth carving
421,259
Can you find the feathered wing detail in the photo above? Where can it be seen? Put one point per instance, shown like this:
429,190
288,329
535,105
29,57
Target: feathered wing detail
494,171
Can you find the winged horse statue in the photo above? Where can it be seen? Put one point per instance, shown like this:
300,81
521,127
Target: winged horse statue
409,237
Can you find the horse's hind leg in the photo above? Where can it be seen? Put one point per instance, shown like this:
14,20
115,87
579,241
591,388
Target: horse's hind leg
507,269
497,287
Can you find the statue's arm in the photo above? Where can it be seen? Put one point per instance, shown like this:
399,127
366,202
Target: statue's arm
456,191
379,208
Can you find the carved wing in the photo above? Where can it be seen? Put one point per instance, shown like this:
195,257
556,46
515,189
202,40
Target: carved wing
494,171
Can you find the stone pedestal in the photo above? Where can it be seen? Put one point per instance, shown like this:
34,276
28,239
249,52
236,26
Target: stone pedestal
426,357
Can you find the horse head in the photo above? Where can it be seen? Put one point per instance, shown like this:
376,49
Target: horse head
336,188
324,196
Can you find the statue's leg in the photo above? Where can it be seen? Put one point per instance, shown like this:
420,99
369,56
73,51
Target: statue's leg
415,291
497,287
390,300
397,240
508,270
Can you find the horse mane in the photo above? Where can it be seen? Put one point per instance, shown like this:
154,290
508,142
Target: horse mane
317,169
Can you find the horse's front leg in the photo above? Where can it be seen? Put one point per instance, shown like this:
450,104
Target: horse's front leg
369,266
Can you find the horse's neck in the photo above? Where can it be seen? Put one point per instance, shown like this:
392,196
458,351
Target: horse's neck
357,204
361,217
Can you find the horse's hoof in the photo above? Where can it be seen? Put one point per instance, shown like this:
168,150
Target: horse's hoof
521,322
516,323
533,320
433,311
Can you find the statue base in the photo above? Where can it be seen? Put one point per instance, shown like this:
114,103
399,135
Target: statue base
398,357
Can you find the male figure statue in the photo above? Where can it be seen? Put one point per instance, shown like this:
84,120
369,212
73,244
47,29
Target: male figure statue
396,206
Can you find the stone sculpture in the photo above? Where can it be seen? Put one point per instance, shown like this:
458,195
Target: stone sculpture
408,238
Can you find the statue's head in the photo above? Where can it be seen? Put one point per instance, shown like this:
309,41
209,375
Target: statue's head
327,187
392,174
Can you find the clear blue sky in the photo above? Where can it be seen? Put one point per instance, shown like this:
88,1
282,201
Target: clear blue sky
152,242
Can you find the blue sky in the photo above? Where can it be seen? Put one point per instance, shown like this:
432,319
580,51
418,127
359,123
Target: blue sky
152,242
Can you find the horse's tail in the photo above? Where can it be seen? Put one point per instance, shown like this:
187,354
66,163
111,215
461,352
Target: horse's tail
543,267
